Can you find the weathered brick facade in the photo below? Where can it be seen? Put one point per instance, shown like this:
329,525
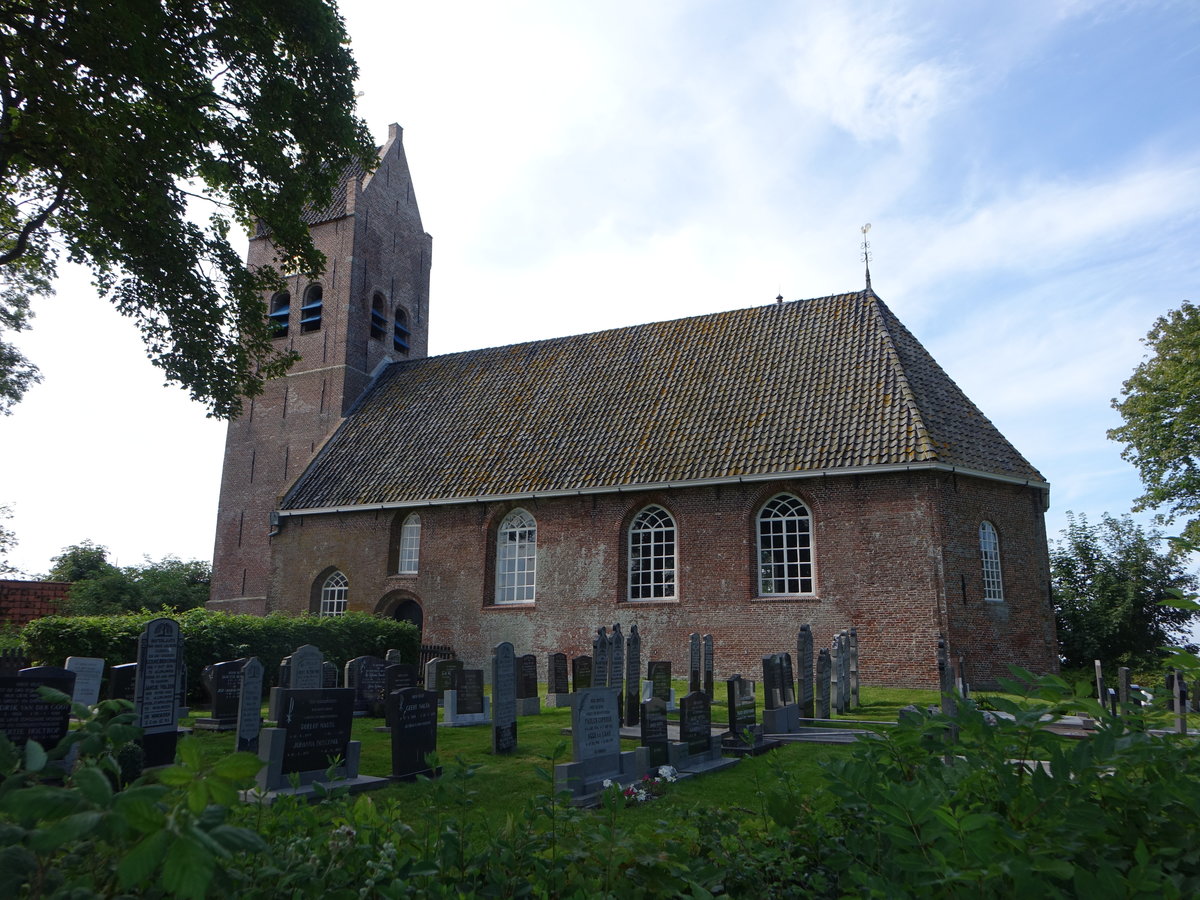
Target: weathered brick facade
23,601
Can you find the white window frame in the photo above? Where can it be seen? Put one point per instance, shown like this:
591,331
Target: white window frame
989,556
335,593
410,545
652,556
785,557
516,558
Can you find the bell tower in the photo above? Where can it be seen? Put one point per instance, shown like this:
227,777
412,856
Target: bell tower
370,307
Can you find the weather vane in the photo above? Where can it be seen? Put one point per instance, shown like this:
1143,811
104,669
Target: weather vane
866,253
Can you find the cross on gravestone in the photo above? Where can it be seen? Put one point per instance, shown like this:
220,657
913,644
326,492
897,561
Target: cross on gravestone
632,676
654,731
89,672
504,699
413,712
695,723
804,662
694,677
601,647
853,657
823,684
156,694
249,720
581,673
556,674
708,666
25,715
659,672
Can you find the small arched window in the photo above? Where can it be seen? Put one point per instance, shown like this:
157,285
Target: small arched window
278,312
400,332
378,317
785,564
652,555
334,594
410,545
516,558
989,554
310,312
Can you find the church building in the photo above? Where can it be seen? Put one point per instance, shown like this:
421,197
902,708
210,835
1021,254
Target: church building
740,474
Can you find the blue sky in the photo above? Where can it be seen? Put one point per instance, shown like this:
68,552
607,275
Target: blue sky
1031,172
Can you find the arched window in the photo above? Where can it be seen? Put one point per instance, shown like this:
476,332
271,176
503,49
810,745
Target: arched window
516,558
400,333
378,317
410,545
989,554
334,593
785,564
278,312
652,555
310,312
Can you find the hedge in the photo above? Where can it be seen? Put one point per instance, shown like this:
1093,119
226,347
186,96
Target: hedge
210,637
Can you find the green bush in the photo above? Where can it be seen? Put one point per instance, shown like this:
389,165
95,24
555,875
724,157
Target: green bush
213,636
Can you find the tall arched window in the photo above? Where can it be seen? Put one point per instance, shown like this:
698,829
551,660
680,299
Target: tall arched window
334,593
310,312
410,545
277,315
400,332
516,558
378,317
785,564
989,554
652,555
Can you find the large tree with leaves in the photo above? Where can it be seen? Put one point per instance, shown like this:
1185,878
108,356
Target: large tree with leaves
135,134
1160,405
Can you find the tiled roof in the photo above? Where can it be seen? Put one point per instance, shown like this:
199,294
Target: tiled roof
334,209
831,383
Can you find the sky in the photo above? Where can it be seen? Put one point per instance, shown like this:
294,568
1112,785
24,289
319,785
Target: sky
1031,171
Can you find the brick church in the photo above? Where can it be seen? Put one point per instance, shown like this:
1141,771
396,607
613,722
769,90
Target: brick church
740,474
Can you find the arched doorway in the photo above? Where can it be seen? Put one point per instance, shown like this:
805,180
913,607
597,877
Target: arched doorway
403,607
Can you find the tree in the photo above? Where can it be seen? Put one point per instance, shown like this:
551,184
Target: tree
116,116
8,540
1161,412
100,588
1108,579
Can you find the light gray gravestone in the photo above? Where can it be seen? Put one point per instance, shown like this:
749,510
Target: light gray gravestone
466,705
824,687
694,677
393,657
596,746
1100,692
616,665
601,647
558,684
708,666
89,671
156,694
853,657
504,699
249,721
302,670
632,676
804,662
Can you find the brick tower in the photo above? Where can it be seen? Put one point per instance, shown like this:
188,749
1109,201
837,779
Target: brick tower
370,307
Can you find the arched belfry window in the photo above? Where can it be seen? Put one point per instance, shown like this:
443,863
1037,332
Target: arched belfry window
334,594
310,312
378,317
785,562
278,312
989,554
652,555
400,332
410,545
516,558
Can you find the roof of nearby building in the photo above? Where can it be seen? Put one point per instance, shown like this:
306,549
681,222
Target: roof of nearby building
812,385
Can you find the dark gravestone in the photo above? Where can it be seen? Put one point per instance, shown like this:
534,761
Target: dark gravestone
249,721
601,647
804,661
654,731
470,692
695,682
823,685
556,674
632,676
89,672
122,682
314,725
844,675
527,681
25,716
156,696
695,723
581,673
329,675
742,716
447,672
223,683
835,673
708,667
397,677
616,667
504,699
788,682
772,670
365,674
13,661
854,701
413,712
660,677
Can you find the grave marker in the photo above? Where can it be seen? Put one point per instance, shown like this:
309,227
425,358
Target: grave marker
365,674
694,677
413,711
223,682
122,682
581,673
249,721
329,675
596,745
528,701
654,731
804,661
156,694
853,657
397,677
466,705
301,670
504,699
660,676
25,716
616,665
632,676
824,686
708,666
558,685
601,647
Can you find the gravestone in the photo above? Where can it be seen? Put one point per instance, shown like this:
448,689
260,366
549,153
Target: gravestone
694,677
504,699
397,677
616,665
249,720
708,667
528,701
844,675
122,682
633,676
441,675
581,673
365,675
329,675
945,679
787,685
302,670
596,748
745,735
89,672
804,662
772,681
558,685
660,676
824,687
698,751
601,648
964,684
654,731
781,715
1123,689
835,671
156,694
223,682
466,705
25,716
393,657
413,712
853,658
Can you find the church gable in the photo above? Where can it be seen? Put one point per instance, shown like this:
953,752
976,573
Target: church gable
832,384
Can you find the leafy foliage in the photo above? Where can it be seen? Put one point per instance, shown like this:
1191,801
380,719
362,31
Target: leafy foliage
1109,579
8,539
115,114
1160,406
100,588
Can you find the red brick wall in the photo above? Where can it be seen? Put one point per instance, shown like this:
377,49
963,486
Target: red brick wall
889,551
23,601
